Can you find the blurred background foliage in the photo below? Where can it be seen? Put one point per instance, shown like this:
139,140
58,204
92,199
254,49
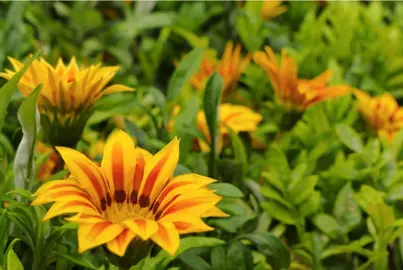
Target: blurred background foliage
328,188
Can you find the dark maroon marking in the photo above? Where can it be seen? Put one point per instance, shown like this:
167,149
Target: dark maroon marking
167,205
133,197
103,204
144,201
155,207
120,196
108,199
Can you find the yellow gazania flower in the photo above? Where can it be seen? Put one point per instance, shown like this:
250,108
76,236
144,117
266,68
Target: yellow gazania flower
382,113
68,92
271,9
133,195
236,117
290,91
47,169
230,67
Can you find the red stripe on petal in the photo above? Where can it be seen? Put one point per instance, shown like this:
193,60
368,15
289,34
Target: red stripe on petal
118,167
138,173
93,178
152,177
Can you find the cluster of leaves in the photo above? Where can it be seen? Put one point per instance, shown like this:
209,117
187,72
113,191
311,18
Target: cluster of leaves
324,194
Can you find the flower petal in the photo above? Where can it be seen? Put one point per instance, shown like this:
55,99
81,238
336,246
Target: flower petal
142,158
55,184
144,228
69,207
192,225
92,235
88,175
158,172
119,244
66,194
196,203
167,237
116,88
214,212
118,163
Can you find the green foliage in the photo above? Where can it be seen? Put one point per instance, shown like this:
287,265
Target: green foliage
312,189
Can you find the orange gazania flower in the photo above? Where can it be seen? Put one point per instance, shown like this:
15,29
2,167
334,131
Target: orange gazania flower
290,91
236,117
67,96
47,169
382,113
271,9
132,195
230,67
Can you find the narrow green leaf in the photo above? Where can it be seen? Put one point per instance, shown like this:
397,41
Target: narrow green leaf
346,210
327,224
275,251
186,68
271,193
211,101
239,149
13,263
226,190
349,137
311,205
28,115
79,259
20,191
301,189
9,88
185,245
239,257
279,211
278,162
4,223
218,258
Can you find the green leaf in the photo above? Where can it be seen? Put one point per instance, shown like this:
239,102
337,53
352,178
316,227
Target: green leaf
279,212
13,263
239,149
218,258
346,210
371,201
185,121
186,68
152,20
239,257
349,137
195,262
273,179
9,88
79,259
372,151
273,194
211,102
275,251
226,190
185,245
311,205
136,132
278,162
327,224
4,224
354,246
318,243
19,191
28,116
197,242
301,189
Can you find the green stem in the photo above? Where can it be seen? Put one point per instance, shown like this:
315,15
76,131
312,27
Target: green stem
380,247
